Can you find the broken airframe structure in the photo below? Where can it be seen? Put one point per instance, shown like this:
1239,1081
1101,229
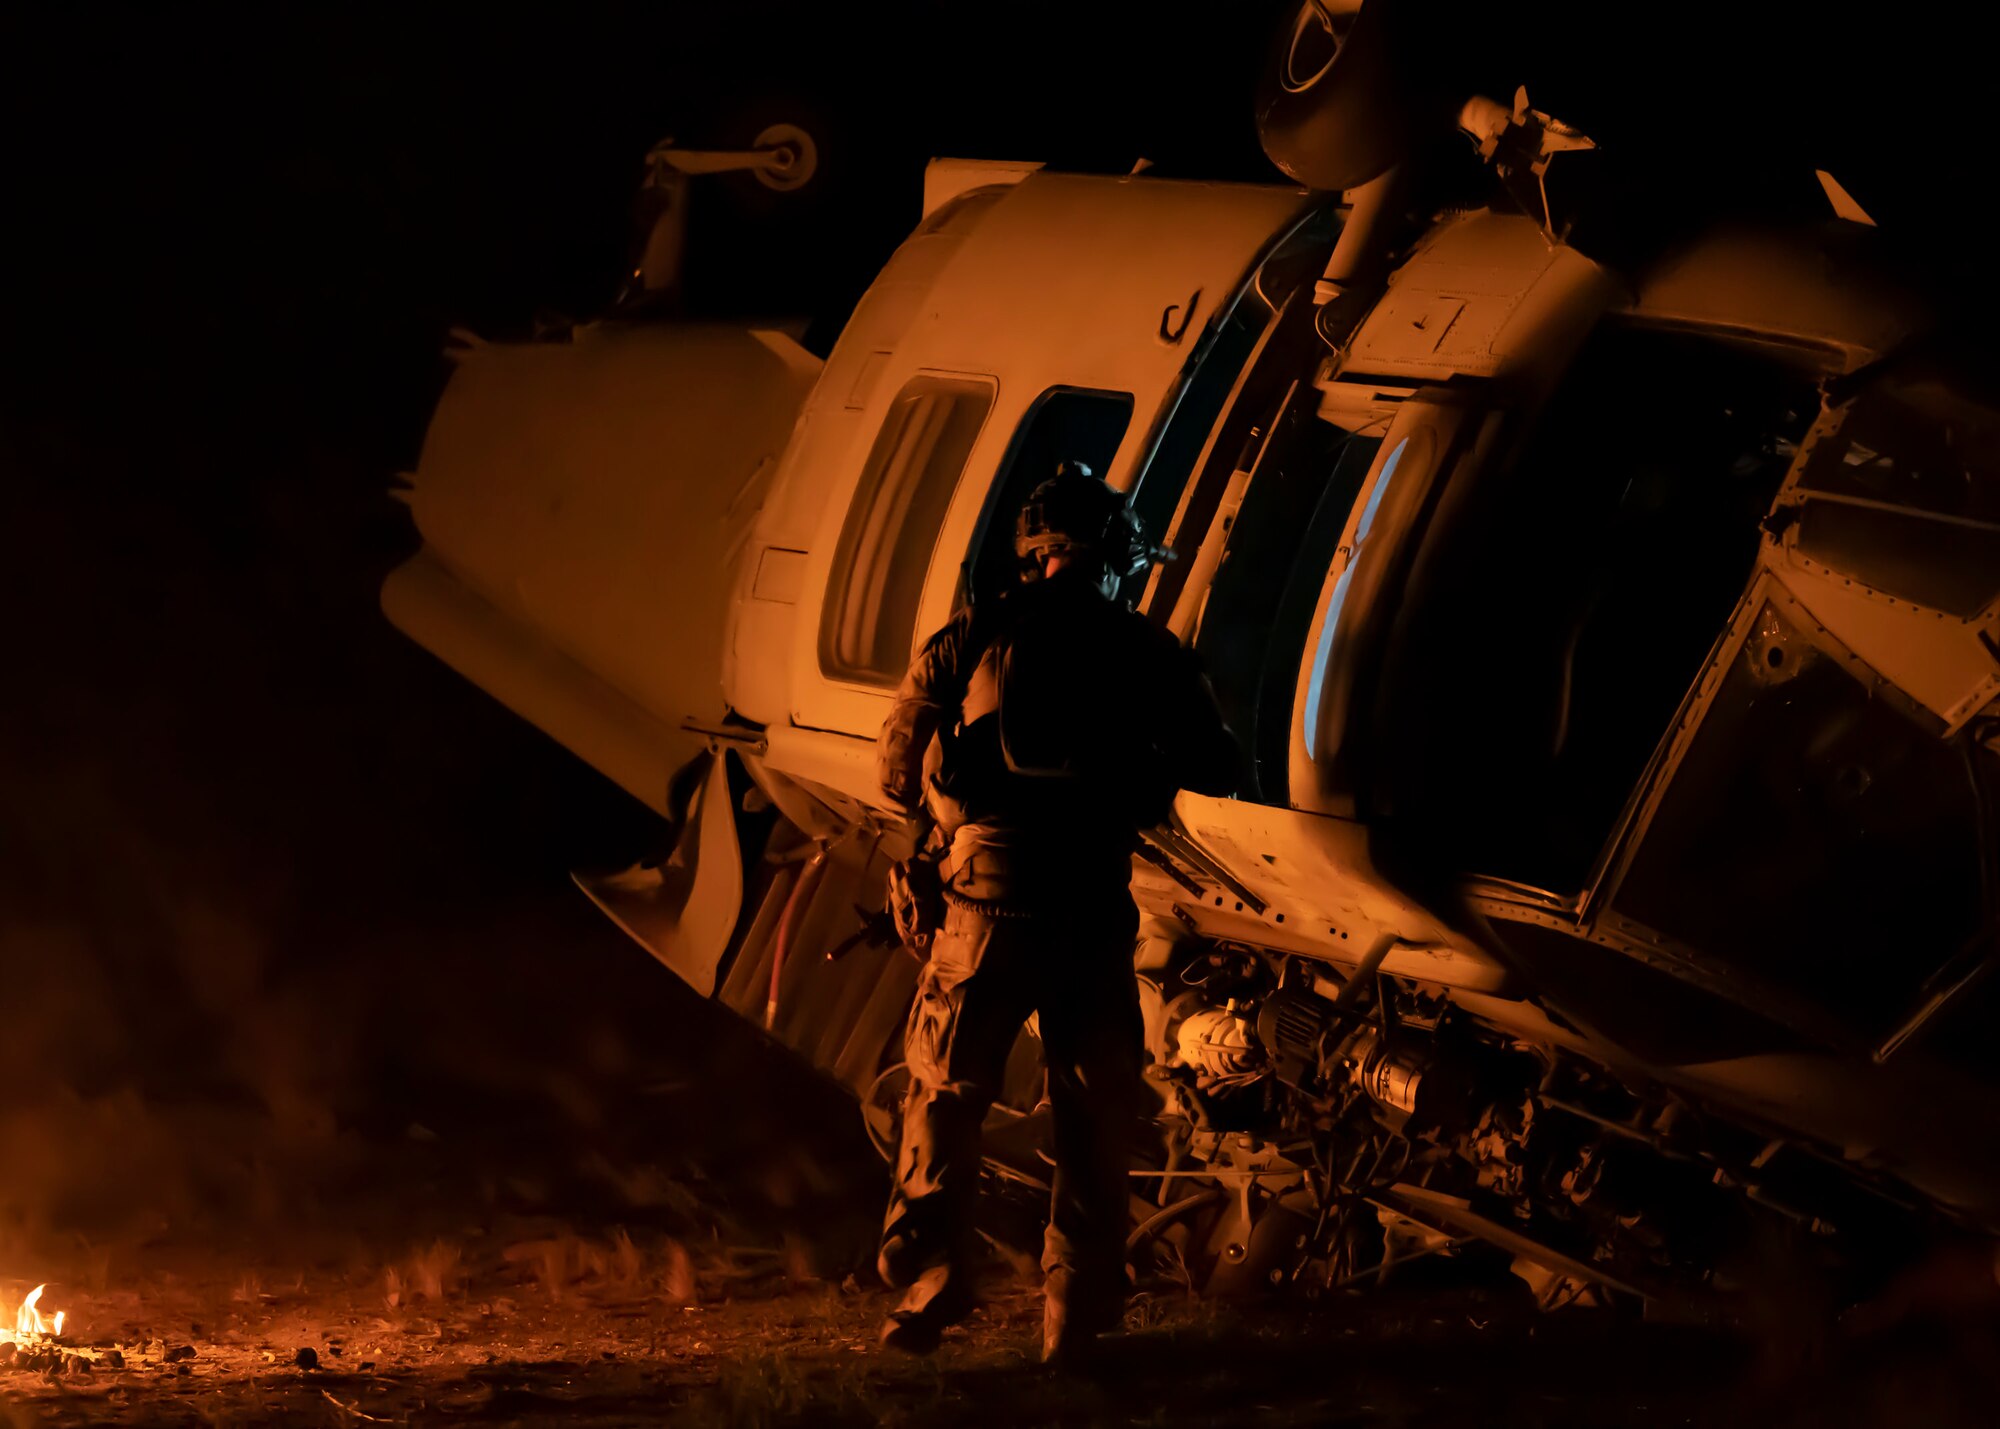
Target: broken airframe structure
1615,646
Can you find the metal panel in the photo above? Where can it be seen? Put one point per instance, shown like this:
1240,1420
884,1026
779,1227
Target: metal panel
526,672
595,493
684,912
946,179
1306,882
1824,287
1485,295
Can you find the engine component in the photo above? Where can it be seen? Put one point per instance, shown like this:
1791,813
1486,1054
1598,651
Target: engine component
1392,1078
1391,1075
1496,1148
1292,1024
1219,1041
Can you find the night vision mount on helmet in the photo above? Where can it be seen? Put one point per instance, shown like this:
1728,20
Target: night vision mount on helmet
1077,511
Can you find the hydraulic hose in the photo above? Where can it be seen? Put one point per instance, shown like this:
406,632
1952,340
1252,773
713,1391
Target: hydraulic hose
1168,1214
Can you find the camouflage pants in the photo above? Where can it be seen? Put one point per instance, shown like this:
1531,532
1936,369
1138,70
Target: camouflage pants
985,976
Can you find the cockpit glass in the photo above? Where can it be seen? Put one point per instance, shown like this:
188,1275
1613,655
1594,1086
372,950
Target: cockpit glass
1815,834
1904,496
1316,680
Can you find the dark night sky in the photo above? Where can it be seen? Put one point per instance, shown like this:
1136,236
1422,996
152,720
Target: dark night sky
254,847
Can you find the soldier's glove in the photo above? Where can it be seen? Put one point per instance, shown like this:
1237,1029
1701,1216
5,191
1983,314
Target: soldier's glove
916,902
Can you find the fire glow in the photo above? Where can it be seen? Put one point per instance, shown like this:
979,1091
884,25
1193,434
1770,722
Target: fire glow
31,1327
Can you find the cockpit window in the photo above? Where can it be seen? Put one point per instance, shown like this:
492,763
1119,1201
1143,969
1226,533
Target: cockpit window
1814,834
1903,494
885,548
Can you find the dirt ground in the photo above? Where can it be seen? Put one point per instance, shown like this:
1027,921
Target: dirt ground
527,1322
622,1244
582,1228
596,1201
556,1330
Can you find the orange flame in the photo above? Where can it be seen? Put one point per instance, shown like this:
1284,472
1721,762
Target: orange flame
30,1324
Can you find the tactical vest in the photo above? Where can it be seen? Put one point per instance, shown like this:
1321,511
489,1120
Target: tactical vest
1045,738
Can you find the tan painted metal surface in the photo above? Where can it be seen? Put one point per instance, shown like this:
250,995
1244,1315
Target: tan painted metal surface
684,910
593,495
1485,295
526,671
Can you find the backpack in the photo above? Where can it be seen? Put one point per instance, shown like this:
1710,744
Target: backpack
1074,687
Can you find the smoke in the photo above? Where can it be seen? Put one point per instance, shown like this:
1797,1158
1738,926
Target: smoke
158,1065
287,942
269,877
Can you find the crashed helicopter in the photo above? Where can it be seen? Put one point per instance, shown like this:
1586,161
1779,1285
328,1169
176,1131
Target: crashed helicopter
1614,642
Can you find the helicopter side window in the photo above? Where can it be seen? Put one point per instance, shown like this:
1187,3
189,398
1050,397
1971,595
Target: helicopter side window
885,545
1064,424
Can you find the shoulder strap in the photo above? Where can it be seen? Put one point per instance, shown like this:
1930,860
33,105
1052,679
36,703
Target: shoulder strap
985,634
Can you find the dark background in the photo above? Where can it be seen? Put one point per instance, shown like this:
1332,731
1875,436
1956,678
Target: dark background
276,885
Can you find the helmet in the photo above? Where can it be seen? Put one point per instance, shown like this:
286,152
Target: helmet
1075,511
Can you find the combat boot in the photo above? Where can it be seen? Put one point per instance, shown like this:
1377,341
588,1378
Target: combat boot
939,1300
1072,1323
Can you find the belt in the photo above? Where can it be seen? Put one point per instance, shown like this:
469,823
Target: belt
989,907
